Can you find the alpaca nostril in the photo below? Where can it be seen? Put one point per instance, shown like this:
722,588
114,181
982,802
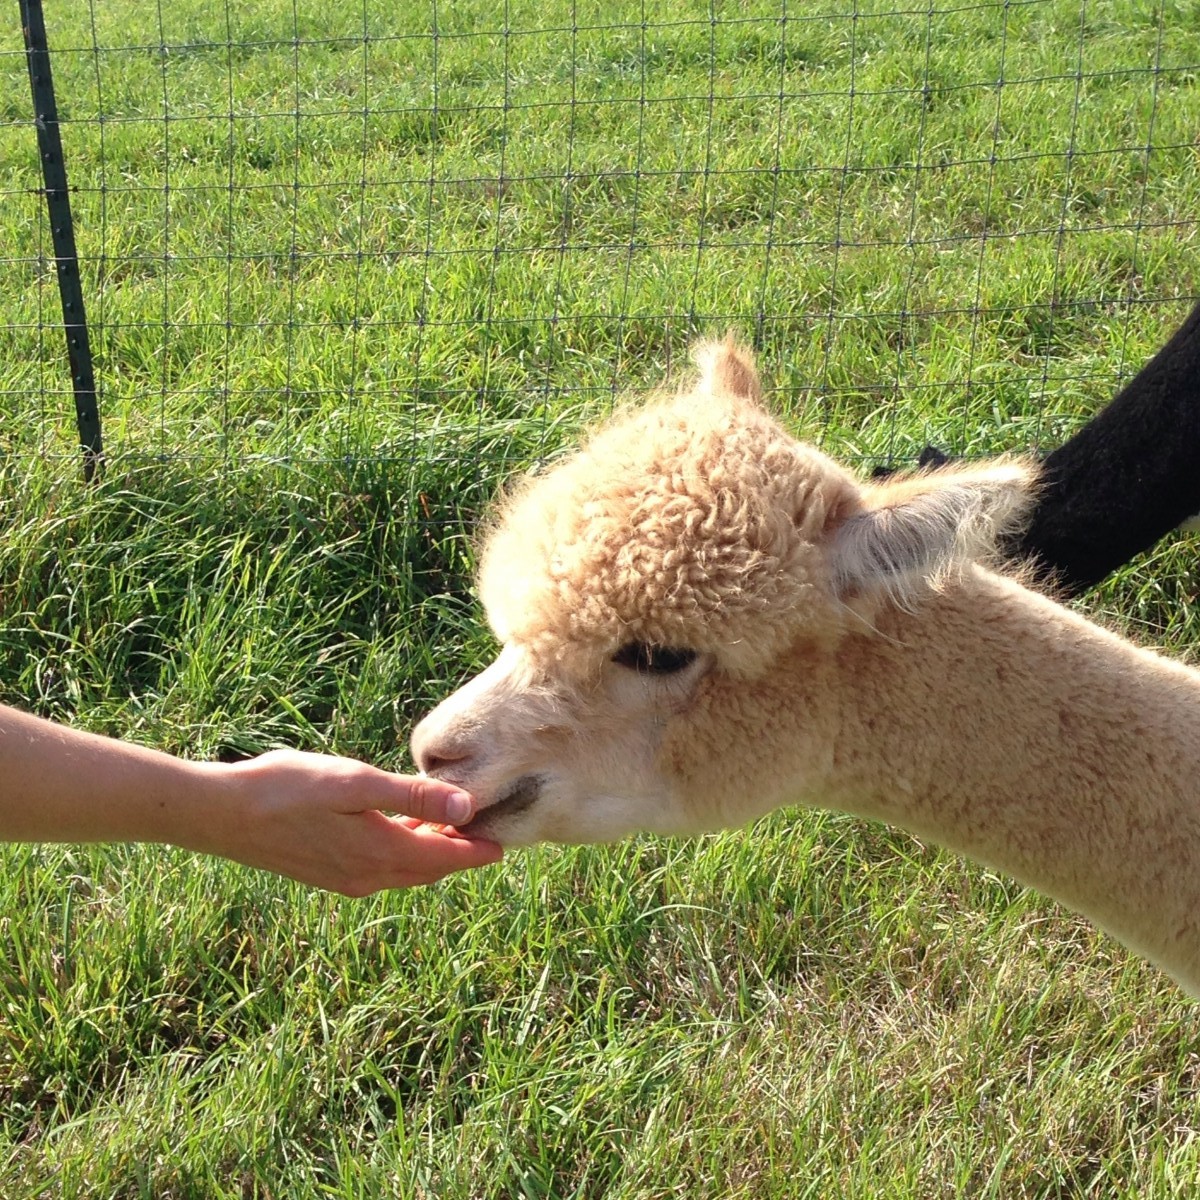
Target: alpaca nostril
438,751
447,748
438,765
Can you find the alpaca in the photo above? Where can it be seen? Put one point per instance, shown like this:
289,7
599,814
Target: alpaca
703,619
1129,477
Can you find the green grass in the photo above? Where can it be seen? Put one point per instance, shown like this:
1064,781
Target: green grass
310,389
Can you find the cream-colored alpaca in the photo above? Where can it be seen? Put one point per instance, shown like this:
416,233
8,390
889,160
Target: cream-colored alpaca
703,619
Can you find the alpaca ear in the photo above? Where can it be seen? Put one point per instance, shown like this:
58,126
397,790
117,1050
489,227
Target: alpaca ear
913,533
727,369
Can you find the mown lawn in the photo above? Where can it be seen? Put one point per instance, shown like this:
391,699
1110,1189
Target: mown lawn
341,287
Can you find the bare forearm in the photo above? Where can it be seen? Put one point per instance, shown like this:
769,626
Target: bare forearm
64,785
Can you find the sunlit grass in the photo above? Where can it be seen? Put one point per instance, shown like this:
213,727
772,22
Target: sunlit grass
311,388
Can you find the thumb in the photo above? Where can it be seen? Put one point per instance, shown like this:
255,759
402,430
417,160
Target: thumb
436,802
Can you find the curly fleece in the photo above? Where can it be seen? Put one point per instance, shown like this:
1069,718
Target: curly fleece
685,522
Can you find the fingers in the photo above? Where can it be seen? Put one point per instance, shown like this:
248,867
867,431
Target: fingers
434,802
409,870
455,853
452,831
424,848
403,853
353,787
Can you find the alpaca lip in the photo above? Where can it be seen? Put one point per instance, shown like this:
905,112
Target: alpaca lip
522,795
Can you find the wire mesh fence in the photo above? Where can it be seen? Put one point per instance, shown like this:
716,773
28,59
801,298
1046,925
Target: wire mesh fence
312,230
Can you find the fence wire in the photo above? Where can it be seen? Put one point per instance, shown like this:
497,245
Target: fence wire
312,230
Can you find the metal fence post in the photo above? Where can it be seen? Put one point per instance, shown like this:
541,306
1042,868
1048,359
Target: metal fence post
58,205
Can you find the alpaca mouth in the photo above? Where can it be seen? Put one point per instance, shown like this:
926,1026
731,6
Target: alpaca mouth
522,795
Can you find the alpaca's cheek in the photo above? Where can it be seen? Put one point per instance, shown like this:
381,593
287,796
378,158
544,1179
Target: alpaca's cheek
737,755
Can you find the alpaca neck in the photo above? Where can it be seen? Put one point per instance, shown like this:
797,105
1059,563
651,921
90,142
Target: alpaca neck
1009,729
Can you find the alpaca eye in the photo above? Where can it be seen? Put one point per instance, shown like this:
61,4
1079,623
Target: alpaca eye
653,660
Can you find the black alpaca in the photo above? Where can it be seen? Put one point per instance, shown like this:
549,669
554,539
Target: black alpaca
1126,479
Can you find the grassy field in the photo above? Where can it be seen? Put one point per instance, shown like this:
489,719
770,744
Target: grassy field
341,287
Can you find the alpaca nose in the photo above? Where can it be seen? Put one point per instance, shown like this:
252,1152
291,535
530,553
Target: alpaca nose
438,765
438,752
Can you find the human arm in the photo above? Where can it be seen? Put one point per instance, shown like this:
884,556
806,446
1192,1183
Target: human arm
316,818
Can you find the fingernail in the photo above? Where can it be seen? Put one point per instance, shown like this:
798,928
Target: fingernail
459,808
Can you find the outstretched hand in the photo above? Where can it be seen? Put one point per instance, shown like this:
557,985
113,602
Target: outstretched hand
316,818
326,821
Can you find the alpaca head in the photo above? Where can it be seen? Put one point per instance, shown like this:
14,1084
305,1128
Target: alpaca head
667,599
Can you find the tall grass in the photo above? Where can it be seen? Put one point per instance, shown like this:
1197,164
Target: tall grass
327,326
